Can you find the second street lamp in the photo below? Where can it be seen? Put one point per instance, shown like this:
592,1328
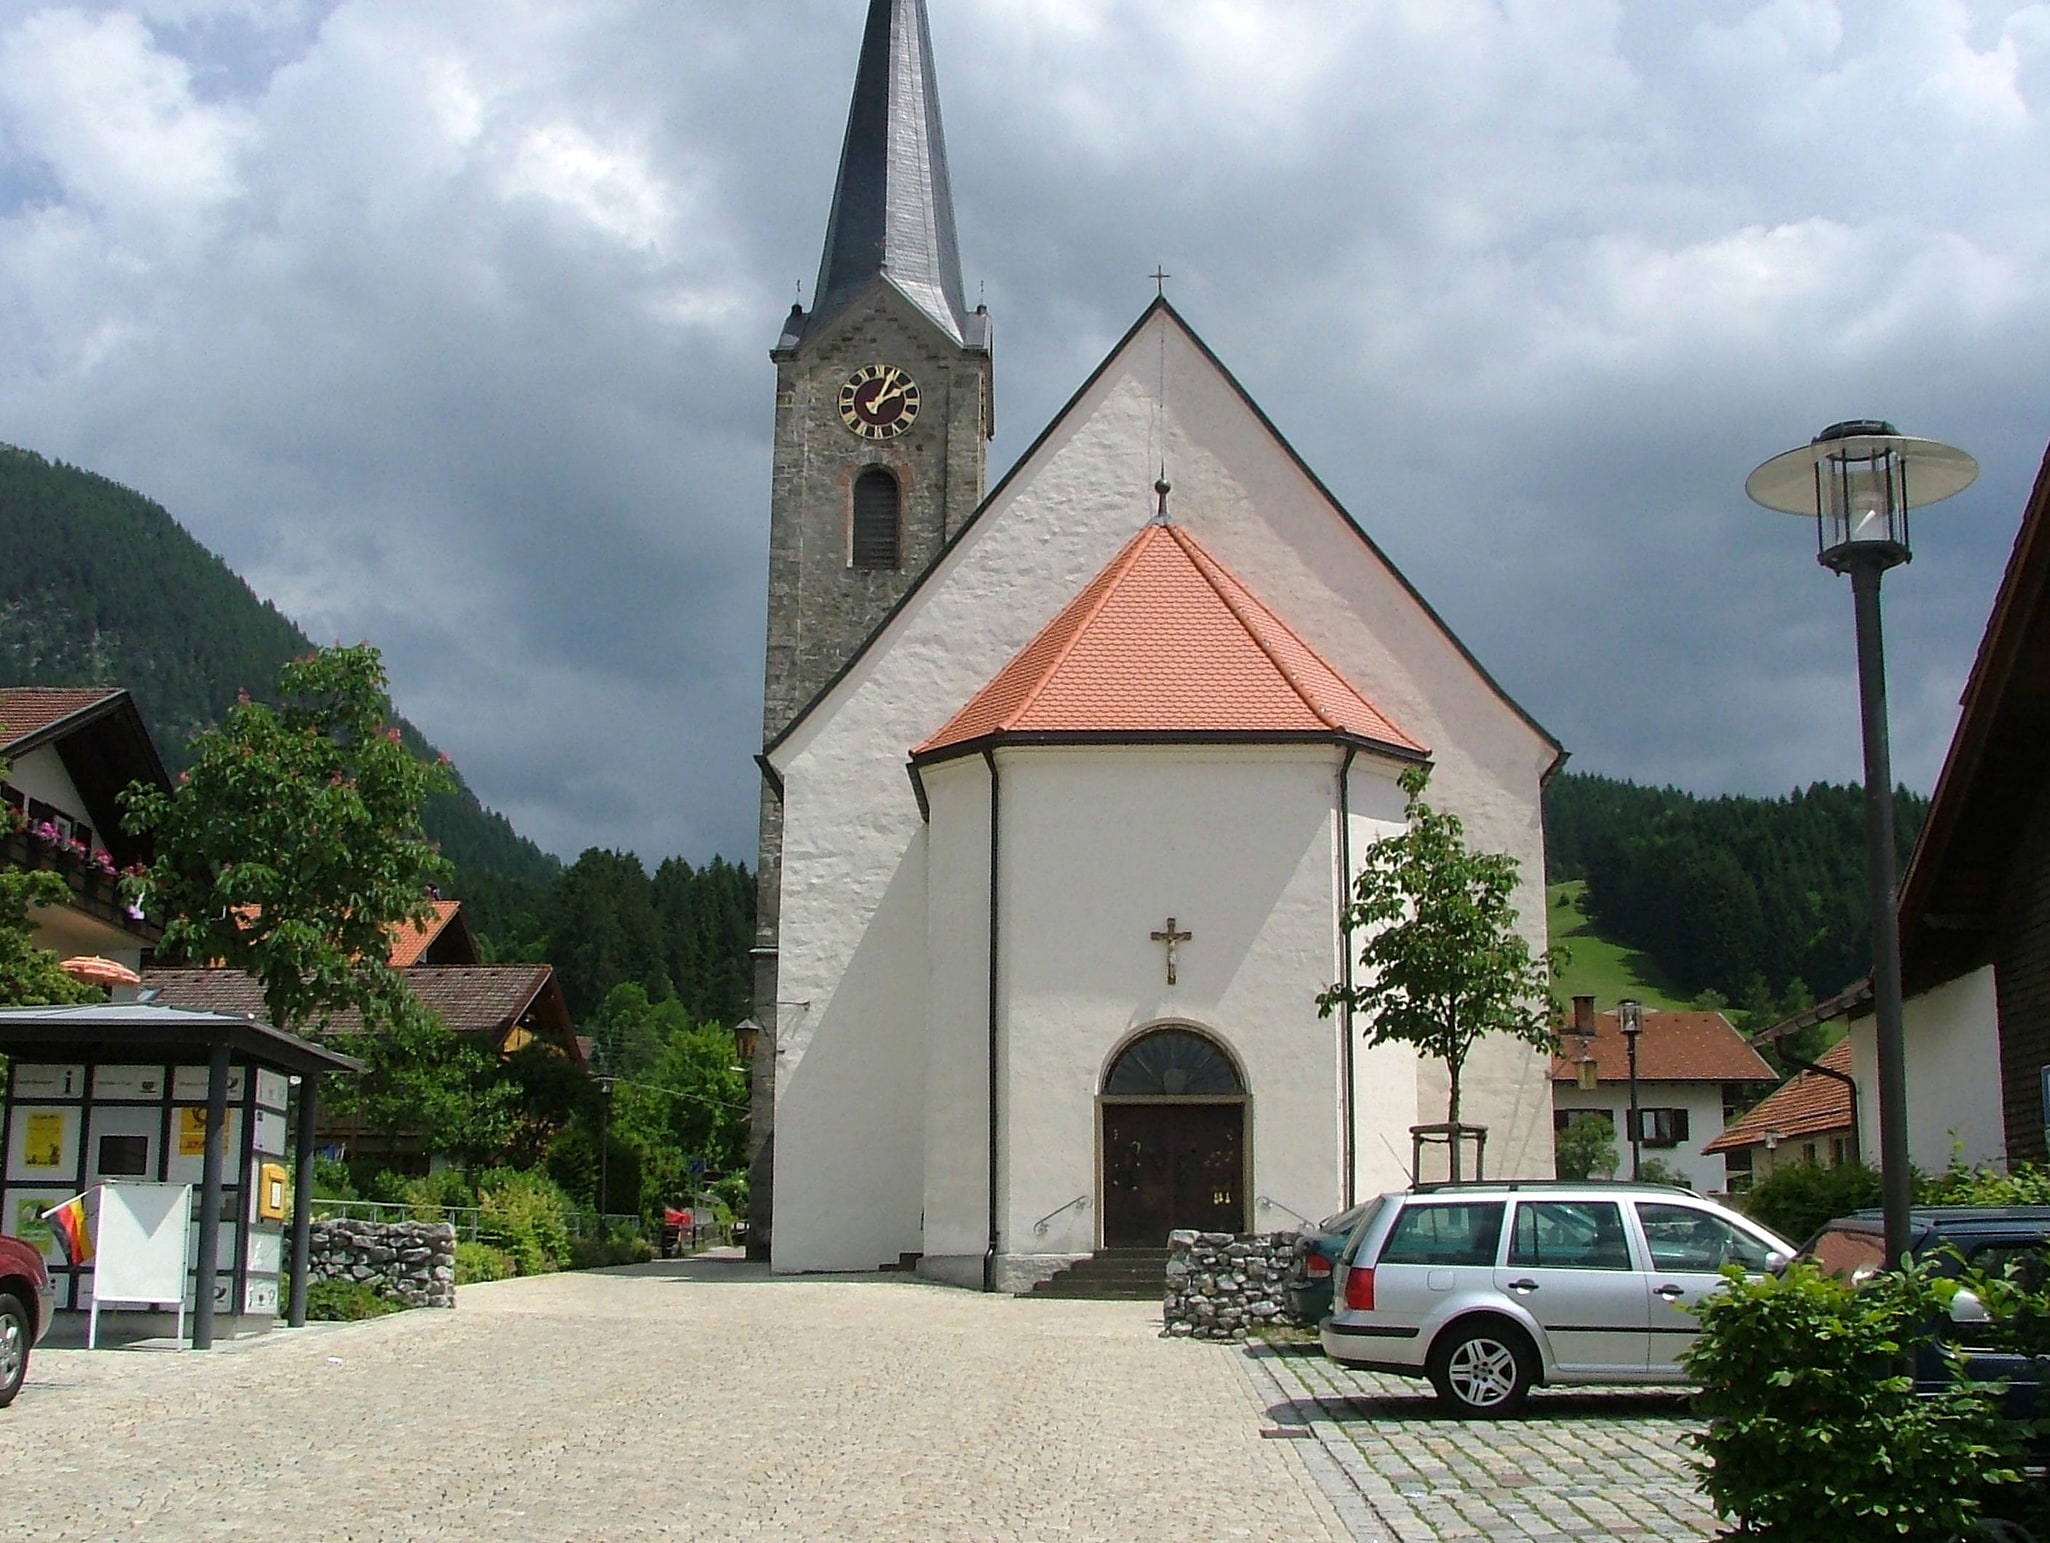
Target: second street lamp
1855,480
1630,1018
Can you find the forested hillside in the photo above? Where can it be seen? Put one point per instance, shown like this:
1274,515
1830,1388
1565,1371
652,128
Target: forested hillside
102,587
1761,900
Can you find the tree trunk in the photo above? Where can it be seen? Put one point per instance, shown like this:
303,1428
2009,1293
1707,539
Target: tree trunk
1452,1114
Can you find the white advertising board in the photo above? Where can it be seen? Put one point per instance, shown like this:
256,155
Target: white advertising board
188,1083
49,1082
133,1083
140,1254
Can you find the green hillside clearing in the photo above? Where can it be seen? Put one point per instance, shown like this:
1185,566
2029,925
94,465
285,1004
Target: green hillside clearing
1606,971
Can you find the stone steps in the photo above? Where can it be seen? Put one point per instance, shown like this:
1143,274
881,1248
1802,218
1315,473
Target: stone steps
1112,1274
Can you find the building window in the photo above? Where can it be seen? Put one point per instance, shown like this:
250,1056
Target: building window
1561,1118
877,527
1173,1063
1662,1127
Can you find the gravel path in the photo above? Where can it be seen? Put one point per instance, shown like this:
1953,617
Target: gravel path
679,1399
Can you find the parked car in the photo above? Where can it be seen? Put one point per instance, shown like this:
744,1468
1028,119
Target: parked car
1317,1248
1992,1240
27,1300
1490,1289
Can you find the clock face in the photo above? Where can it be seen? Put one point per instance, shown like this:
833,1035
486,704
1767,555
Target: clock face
879,401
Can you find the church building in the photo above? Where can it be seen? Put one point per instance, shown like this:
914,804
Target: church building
1064,783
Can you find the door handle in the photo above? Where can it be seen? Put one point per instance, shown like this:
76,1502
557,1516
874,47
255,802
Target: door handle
1525,1285
1671,1292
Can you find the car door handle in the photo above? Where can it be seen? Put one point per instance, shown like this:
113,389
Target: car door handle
1525,1285
1671,1292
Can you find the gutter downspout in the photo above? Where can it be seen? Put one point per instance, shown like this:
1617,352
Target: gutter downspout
1345,1053
989,1254
1849,1082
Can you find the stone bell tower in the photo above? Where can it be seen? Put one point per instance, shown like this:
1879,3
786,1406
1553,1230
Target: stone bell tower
884,410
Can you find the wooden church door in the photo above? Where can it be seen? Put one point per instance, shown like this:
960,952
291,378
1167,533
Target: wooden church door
1174,1120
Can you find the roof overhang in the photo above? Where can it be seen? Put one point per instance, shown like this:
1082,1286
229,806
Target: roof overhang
144,1031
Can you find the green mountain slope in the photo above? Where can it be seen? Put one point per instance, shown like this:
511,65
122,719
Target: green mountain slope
101,586
1598,967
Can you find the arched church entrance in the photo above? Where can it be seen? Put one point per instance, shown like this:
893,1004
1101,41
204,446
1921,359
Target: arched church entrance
1173,1113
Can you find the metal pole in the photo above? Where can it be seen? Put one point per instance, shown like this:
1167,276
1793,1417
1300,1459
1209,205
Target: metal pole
604,1118
207,1264
302,1196
1636,1123
1894,1179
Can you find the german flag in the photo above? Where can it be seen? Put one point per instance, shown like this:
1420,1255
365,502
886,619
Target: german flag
68,1221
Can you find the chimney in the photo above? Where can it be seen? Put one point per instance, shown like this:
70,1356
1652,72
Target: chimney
1583,1015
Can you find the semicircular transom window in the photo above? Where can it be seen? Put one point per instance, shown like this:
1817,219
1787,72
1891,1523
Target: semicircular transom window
1173,1063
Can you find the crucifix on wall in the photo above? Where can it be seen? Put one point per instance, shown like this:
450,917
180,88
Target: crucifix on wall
1173,940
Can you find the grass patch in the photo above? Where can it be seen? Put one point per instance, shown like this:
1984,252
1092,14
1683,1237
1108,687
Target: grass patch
1603,970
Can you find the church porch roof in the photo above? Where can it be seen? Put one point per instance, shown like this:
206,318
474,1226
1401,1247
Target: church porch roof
1166,642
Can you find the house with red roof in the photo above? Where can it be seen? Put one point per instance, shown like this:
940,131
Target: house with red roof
68,753
1810,1118
1694,1069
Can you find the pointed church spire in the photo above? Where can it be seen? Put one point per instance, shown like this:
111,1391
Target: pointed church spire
893,213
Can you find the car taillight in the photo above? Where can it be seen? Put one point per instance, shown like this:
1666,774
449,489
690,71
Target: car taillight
1359,1289
1316,1264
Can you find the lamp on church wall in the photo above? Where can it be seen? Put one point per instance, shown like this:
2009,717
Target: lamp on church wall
747,1034
1856,480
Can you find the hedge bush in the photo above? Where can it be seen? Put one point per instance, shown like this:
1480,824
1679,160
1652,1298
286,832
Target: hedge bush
528,1215
1796,1200
345,1301
477,1262
1815,1433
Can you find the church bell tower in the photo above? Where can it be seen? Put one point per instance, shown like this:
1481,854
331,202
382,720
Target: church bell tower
884,411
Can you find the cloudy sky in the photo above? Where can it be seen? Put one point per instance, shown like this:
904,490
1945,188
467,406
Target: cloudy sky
446,325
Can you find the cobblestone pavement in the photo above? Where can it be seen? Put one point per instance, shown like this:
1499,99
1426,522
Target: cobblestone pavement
1580,1463
672,1400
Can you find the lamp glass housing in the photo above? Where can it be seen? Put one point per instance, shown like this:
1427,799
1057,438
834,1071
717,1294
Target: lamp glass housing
1861,494
1630,1015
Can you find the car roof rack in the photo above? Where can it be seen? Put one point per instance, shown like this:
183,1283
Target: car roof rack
1435,1186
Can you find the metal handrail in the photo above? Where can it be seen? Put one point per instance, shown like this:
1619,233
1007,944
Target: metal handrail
1266,1202
1041,1227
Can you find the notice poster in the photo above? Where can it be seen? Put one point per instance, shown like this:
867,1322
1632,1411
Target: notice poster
132,1084
24,1220
43,1144
186,1159
188,1084
49,1082
192,1133
272,1089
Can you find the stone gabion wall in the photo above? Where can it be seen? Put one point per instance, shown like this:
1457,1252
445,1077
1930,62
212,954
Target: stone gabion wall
409,1262
1222,1285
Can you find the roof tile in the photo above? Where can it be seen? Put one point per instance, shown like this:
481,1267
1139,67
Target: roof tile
1167,640
1807,1104
26,709
1675,1047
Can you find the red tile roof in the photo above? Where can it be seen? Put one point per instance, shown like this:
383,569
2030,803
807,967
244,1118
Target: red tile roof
1809,1104
1675,1047
410,942
24,710
1166,640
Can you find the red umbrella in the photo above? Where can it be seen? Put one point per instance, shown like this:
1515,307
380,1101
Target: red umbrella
100,971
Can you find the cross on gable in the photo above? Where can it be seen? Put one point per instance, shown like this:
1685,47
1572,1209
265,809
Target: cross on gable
1173,940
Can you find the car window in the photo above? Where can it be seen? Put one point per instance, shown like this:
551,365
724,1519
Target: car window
2023,1263
1569,1235
1682,1238
1849,1253
1444,1234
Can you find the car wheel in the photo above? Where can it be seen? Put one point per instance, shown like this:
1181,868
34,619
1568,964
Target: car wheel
15,1334
1481,1369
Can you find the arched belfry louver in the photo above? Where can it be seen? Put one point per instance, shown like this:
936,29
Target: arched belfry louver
875,541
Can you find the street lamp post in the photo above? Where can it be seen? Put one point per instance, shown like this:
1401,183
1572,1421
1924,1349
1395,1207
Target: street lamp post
1630,1015
1854,480
604,1141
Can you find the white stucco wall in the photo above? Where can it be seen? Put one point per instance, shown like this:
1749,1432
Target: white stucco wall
851,820
1953,1075
41,774
1703,1102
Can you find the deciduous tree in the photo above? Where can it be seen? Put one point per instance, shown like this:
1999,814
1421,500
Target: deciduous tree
1442,965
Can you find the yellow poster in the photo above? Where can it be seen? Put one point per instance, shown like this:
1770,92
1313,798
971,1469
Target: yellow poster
30,1227
192,1133
43,1142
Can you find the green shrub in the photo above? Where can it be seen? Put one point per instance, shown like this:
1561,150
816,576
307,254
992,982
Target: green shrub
1656,1170
1815,1434
345,1301
1796,1200
1586,1148
591,1253
429,1199
529,1217
2023,1184
481,1262
331,1180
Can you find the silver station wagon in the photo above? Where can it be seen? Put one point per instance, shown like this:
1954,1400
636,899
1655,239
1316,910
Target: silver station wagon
1490,1289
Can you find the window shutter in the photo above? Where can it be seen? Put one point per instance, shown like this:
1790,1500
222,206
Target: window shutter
1679,1125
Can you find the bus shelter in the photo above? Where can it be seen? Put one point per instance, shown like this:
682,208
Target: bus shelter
133,1093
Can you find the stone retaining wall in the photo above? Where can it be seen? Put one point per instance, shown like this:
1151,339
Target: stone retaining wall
1222,1285
409,1262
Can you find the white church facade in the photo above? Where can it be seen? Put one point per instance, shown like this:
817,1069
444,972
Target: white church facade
1063,786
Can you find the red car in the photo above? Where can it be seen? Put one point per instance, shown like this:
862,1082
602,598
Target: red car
26,1301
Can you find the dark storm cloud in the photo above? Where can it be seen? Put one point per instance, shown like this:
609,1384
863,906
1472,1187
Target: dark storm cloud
447,326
